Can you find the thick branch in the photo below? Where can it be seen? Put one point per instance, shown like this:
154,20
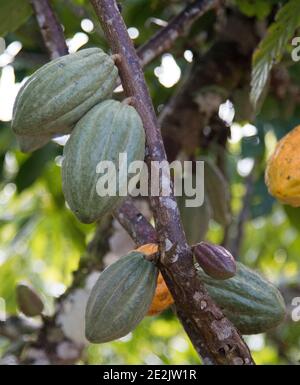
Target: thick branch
221,342
51,29
177,27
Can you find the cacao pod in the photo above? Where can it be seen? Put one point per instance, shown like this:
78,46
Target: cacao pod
215,260
58,94
162,298
195,220
120,298
29,302
251,303
282,174
105,131
217,191
32,143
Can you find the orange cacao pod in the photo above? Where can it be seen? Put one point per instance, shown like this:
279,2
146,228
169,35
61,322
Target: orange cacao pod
162,298
282,174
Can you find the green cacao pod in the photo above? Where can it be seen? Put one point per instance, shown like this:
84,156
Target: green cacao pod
58,94
217,191
120,298
215,260
252,303
195,220
108,129
29,302
32,143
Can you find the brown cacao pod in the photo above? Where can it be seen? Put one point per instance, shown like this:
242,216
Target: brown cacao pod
29,302
215,260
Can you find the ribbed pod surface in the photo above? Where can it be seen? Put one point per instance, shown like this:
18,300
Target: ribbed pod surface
107,130
252,303
57,95
120,298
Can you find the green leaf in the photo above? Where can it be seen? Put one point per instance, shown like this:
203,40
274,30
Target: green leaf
293,215
33,166
13,14
259,8
271,48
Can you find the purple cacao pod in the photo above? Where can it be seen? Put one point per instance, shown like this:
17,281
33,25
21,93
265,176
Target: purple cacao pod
215,260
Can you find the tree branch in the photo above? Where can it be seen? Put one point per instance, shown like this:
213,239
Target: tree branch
220,341
51,29
177,27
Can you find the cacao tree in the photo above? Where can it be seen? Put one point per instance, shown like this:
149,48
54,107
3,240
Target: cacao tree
83,82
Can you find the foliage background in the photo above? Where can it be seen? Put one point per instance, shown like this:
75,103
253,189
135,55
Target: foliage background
41,241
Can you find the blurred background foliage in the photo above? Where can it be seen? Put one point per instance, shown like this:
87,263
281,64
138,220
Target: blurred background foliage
41,241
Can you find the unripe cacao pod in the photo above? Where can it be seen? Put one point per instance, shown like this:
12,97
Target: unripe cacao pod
162,298
217,191
58,94
105,131
282,174
251,303
120,298
195,220
32,143
215,260
28,301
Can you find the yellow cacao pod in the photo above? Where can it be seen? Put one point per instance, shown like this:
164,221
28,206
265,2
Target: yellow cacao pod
283,169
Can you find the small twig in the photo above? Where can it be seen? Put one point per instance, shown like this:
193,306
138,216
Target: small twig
177,27
220,341
51,29
135,223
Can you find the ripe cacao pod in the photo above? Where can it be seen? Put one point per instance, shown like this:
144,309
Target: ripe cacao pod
252,303
120,298
105,131
58,94
215,260
282,174
162,298
29,302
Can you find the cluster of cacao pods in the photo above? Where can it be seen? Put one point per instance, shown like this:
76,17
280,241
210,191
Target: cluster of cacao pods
283,169
132,288
72,94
